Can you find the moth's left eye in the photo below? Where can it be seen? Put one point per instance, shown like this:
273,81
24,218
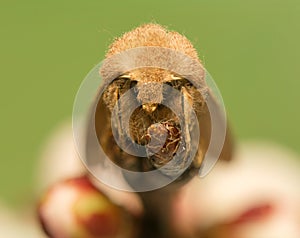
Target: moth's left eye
176,83
180,83
188,84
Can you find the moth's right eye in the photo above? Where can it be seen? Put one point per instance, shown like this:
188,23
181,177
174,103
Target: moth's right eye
122,81
133,83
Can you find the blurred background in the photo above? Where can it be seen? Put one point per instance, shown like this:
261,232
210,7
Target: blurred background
251,48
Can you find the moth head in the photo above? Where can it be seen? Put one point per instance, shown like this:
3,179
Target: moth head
148,85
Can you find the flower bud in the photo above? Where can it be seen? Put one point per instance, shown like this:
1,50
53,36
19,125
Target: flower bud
75,208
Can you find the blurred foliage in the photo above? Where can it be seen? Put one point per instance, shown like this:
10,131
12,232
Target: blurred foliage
47,47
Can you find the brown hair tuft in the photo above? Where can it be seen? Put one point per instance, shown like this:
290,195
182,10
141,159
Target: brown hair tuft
152,35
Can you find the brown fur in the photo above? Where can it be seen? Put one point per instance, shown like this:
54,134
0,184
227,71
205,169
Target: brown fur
153,35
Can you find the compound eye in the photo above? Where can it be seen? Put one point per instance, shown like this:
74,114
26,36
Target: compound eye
188,84
178,82
133,83
169,83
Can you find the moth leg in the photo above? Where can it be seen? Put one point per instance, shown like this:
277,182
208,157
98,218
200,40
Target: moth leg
118,119
186,103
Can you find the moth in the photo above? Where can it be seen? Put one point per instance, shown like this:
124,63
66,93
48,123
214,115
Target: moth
140,108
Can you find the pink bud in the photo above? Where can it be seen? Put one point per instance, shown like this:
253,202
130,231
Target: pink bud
75,208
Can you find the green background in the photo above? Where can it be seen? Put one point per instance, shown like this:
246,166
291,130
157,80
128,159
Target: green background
251,48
